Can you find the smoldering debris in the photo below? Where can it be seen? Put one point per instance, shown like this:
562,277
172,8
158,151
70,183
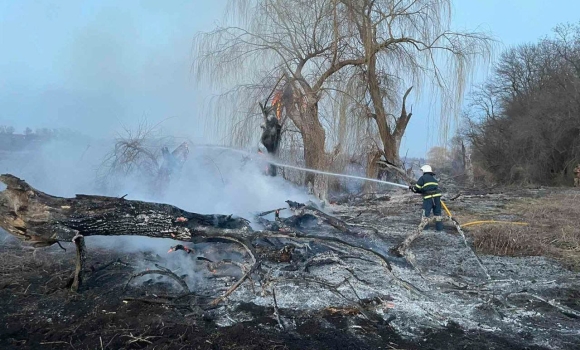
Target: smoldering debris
326,263
316,263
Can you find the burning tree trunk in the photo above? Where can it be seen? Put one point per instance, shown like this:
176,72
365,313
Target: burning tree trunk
271,135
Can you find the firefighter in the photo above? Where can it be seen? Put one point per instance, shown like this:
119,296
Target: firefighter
428,186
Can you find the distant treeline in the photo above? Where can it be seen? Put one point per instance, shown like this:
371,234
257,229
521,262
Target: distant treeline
14,142
524,122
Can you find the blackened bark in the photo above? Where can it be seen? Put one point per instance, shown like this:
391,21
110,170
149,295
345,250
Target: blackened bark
77,279
42,219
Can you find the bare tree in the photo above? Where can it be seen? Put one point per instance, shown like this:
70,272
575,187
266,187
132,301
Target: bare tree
411,43
299,39
143,155
332,49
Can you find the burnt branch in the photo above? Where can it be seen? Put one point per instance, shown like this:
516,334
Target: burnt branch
79,242
235,286
215,265
290,233
264,213
277,311
164,272
562,308
156,301
300,209
334,288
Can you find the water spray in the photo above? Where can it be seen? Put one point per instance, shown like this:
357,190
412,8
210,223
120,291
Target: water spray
308,170
337,175
455,222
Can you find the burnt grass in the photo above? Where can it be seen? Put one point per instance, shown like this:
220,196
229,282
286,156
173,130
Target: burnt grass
38,311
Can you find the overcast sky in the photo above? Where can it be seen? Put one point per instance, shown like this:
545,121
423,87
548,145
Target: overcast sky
94,66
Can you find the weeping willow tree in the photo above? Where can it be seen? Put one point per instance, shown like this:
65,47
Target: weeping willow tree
299,39
408,44
345,62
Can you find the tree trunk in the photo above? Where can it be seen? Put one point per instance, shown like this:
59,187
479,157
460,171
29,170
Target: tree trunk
391,134
469,171
391,152
314,139
43,220
315,158
372,171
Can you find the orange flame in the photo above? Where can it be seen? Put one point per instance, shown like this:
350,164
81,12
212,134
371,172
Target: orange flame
277,103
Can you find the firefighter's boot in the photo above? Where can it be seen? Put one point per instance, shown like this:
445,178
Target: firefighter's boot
438,223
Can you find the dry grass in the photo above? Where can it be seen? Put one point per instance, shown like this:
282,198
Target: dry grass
553,231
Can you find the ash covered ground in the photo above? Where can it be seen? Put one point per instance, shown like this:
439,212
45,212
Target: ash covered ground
327,296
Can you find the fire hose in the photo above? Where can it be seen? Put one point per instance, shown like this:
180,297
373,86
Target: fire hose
458,227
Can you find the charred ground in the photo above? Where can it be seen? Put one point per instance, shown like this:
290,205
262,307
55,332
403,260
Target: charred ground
531,303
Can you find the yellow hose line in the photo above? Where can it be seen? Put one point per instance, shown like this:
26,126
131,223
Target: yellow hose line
495,222
484,221
446,209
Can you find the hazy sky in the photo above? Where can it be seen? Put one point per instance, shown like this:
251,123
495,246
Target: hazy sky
96,65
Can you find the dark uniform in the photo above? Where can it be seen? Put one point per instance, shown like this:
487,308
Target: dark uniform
428,186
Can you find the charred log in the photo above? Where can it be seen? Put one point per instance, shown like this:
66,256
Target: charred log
43,220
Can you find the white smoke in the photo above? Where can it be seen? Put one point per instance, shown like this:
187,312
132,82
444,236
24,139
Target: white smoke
212,180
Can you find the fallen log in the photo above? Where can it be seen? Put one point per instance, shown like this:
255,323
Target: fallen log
43,220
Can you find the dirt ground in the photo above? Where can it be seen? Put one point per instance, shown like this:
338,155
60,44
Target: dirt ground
37,311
